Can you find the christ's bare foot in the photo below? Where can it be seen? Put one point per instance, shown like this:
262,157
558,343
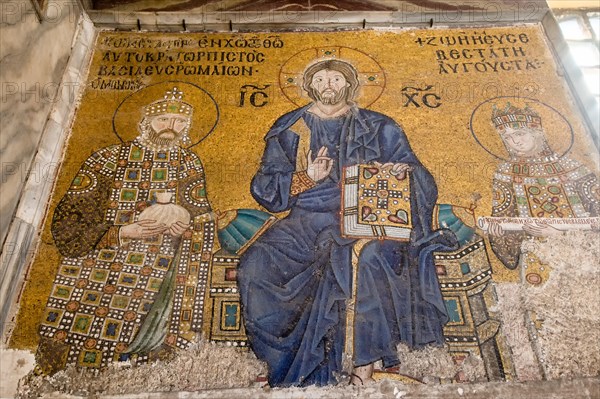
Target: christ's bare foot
362,375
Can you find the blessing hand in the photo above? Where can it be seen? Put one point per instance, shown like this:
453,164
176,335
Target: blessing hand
321,166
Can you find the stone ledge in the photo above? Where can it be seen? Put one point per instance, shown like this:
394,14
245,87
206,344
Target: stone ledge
563,389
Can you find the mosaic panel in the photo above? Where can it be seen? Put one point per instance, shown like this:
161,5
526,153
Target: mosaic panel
203,196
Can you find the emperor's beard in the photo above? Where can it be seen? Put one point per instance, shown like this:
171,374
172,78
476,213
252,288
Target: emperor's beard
153,139
168,142
332,100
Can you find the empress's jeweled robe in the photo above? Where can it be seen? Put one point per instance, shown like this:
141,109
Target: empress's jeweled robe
117,299
295,279
548,186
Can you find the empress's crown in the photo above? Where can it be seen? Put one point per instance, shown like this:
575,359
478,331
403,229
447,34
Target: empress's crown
171,103
515,117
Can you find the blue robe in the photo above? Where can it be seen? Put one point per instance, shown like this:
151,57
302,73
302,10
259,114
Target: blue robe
295,279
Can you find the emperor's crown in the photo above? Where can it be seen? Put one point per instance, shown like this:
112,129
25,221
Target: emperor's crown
515,117
171,103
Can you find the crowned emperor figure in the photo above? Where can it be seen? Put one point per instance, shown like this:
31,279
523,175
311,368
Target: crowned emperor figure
136,235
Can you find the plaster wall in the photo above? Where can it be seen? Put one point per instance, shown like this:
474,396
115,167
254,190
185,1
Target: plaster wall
33,57
35,126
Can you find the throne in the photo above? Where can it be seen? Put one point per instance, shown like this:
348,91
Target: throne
465,277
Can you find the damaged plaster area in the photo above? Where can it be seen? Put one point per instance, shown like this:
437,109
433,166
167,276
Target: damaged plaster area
203,367
553,329
215,367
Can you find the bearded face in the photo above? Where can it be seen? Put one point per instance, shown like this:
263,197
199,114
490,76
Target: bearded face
329,87
165,138
330,96
166,130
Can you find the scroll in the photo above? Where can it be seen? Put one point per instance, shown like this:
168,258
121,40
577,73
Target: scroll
517,223
375,204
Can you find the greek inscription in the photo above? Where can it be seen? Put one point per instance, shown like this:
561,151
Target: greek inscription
473,39
480,53
415,97
130,60
257,97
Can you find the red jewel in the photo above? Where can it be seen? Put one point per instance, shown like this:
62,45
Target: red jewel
109,289
101,312
81,283
90,343
60,335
